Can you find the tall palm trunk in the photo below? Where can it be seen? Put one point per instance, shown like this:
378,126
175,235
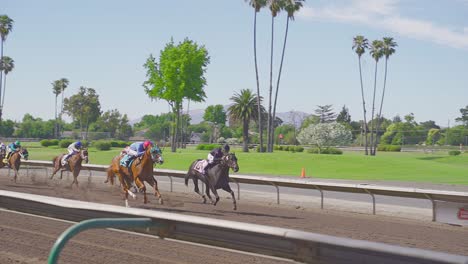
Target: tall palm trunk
279,78
260,126
4,89
245,132
363,108
1,78
373,109
381,104
61,112
56,122
269,147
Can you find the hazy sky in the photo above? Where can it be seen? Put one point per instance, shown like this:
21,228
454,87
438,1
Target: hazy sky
103,45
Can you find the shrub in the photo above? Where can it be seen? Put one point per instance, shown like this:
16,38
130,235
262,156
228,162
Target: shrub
332,151
102,145
49,142
64,143
220,140
258,148
298,149
207,146
119,143
454,152
392,148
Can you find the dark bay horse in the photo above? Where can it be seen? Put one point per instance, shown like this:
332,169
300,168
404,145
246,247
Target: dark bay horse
15,160
73,164
217,177
141,170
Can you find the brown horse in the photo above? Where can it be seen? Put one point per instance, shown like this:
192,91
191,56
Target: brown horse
140,170
73,164
14,161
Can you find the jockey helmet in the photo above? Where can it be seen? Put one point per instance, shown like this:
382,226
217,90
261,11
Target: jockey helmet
78,144
17,143
146,144
226,148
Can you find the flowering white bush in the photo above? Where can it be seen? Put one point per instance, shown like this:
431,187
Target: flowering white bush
325,135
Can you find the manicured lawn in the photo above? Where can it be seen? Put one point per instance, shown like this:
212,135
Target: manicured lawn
438,167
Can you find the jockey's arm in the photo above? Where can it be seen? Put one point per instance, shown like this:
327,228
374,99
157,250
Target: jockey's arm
210,158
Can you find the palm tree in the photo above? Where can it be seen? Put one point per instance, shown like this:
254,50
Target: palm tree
376,53
257,5
360,44
6,25
63,85
56,89
244,109
7,64
388,49
291,7
275,7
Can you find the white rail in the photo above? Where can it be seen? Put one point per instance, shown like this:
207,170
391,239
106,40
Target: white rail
271,241
432,195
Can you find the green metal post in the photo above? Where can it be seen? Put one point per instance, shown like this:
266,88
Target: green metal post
95,223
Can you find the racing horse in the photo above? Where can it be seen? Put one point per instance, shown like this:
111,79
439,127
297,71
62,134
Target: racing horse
73,164
14,161
217,177
140,170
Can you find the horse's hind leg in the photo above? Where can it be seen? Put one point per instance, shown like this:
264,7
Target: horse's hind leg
195,182
228,189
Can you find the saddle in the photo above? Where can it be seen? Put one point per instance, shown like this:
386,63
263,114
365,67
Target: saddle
200,166
127,160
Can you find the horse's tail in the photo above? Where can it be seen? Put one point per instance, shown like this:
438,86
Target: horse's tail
187,176
110,176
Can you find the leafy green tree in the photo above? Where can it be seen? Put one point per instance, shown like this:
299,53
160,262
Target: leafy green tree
31,127
178,75
376,53
115,123
427,125
310,120
7,127
360,44
244,109
388,49
288,132
84,107
215,114
433,136
257,6
325,135
291,7
6,25
464,116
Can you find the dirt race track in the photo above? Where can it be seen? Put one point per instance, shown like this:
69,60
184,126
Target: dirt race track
28,239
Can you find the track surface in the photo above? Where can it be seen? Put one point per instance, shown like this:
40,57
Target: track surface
27,239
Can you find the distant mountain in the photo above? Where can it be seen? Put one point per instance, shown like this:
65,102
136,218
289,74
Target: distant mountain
288,117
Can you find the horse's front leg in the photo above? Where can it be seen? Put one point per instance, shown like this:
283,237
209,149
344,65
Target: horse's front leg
75,177
208,187
154,184
229,190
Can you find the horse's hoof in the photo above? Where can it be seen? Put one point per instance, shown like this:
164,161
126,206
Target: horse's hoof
161,201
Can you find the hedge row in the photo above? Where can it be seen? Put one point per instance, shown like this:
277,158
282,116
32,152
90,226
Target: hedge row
392,148
64,143
333,151
289,148
207,146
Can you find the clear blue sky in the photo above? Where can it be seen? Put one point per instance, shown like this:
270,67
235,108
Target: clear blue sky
103,45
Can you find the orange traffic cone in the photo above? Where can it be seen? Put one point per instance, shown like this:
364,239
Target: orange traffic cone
303,173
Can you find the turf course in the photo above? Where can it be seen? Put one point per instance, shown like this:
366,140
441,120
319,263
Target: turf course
437,167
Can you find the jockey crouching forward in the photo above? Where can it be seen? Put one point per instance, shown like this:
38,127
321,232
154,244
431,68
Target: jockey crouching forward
73,148
134,150
215,156
12,148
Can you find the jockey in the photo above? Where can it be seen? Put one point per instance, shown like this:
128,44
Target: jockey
13,147
2,149
215,155
73,148
136,149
